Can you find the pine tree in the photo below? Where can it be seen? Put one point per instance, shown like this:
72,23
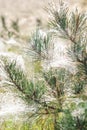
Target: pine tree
49,90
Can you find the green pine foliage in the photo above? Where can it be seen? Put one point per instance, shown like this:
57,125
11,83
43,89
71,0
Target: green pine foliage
40,45
74,31
32,91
